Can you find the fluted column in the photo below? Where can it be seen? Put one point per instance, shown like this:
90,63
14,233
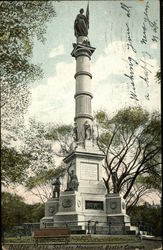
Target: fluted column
83,110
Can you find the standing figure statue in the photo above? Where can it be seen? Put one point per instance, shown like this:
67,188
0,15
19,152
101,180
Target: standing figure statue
73,181
56,190
81,24
75,132
87,131
72,184
94,136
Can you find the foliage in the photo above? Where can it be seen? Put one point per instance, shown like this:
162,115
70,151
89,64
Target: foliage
153,179
40,144
41,159
131,141
137,193
40,183
33,163
16,212
31,157
14,166
61,135
22,239
37,146
21,23
149,214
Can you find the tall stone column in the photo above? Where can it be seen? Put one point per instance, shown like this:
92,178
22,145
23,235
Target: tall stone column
85,197
83,95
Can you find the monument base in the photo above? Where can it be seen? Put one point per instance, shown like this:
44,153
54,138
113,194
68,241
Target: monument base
47,222
115,204
77,208
88,212
117,218
85,212
51,208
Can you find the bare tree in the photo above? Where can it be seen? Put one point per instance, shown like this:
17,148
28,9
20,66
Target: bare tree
131,141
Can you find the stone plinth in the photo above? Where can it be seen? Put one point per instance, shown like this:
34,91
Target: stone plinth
116,214
115,204
81,206
87,165
51,208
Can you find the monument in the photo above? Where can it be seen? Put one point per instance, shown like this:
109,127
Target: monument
85,198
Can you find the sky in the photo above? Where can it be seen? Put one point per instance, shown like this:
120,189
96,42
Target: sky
122,52
126,35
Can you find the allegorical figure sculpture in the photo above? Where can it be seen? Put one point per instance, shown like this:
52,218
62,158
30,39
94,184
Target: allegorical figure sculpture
87,131
56,190
75,132
81,24
94,135
72,184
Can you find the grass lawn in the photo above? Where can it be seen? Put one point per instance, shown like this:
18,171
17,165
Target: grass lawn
78,239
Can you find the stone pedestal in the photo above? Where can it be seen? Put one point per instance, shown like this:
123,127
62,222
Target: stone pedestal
115,204
88,203
51,208
116,214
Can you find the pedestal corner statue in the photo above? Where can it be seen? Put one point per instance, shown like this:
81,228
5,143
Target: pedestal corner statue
85,198
56,191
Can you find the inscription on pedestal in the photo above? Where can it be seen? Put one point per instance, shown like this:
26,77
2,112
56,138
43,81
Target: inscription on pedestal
89,171
97,205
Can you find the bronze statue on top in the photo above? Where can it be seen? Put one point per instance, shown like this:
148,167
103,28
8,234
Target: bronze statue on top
81,24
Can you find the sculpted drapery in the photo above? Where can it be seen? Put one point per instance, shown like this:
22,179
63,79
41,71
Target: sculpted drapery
81,24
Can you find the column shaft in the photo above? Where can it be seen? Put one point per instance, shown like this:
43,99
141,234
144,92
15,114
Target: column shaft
83,93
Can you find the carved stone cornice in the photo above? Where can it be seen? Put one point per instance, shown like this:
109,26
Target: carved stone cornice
83,93
79,73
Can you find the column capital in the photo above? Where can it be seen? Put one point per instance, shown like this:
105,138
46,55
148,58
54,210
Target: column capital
82,50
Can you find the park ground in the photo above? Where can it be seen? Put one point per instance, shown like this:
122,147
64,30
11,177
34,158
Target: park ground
85,243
